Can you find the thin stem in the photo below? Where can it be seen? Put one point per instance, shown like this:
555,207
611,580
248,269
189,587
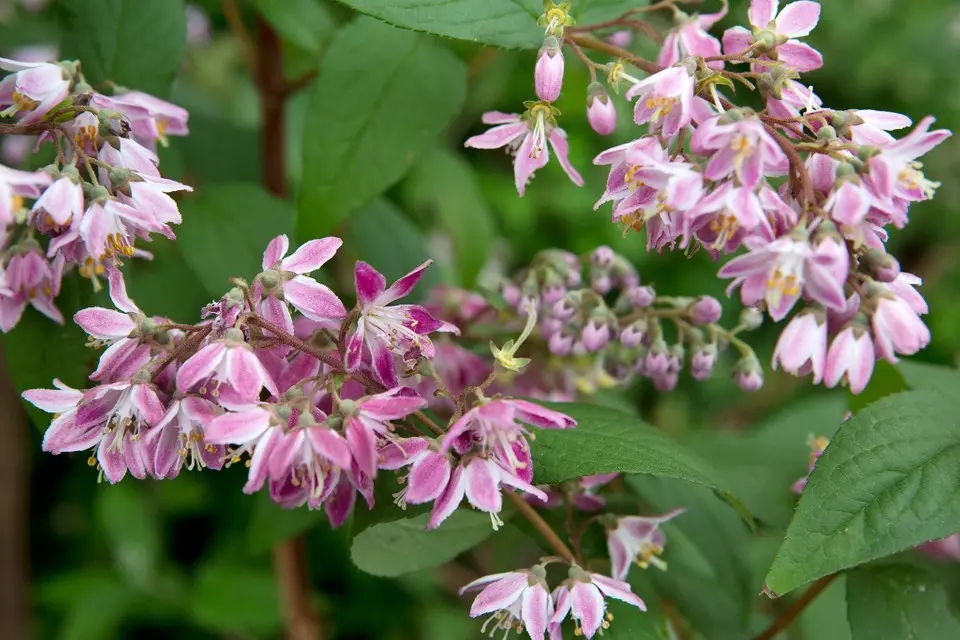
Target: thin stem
542,527
232,13
430,424
299,83
591,65
786,618
292,341
589,42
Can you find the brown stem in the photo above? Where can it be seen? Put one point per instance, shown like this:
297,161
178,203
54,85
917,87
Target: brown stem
299,83
589,42
786,618
293,582
542,527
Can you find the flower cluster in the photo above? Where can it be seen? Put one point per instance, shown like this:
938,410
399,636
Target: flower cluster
103,192
804,193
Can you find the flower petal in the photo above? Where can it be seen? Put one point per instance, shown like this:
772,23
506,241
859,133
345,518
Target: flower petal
104,324
237,428
428,478
449,500
275,251
482,480
617,590
312,299
403,286
312,255
497,137
370,283
200,365
800,56
798,19
587,606
499,595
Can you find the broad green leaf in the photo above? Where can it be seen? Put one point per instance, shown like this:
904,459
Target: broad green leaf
607,441
231,598
444,184
384,509
132,531
504,23
382,235
135,43
887,482
97,609
921,376
271,524
225,231
305,23
885,381
381,98
898,603
394,548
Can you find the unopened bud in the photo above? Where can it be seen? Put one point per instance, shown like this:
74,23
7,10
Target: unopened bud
657,360
602,257
880,265
827,132
601,113
748,374
703,361
706,310
633,335
641,297
560,343
548,73
595,336
751,318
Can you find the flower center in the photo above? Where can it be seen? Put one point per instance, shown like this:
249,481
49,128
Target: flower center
912,178
660,105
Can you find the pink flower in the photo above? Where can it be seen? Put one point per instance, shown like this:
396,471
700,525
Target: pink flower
897,328
30,278
368,418
725,217
33,89
14,187
849,203
777,272
401,329
429,473
894,172
904,287
850,359
526,138
517,600
601,112
945,549
150,194
742,147
111,418
128,154
583,494
548,73
776,33
794,98
802,347
581,596
256,431
690,38
637,539
305,465
664,100
122,330
284,280
151,118
110,227
229,370
177,439
57,206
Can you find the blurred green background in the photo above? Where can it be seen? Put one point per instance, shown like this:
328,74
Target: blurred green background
191,558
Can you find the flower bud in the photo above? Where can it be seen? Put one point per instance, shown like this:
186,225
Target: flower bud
601,283
510,293
602,257
666,381
633,335
601,113
657,360
703,361
641,297
880,265
565,307
595,335
748,374
751,318
621,38
560,343
553,293
706,310
548,74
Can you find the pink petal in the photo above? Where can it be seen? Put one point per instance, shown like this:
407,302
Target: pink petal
798,19
104,324
370,283
118,292
535,611
147,403
536,415
200,365
527,161
428,478
886,120
561,596
312,299
312,255
275,251
389,405
331,445
499,117
800,56
620,555
237,428
53,400
558,140
497,136
63,435
340,503
586,605
285,453
244,373
482,480
403,286
166,452
762,12
512,479
499,595
276,312
355,347
617,590
736,40
383,362
111,461
259,461
449,500
363,446
395,455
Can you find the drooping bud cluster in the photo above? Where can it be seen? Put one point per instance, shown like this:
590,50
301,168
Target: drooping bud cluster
103,192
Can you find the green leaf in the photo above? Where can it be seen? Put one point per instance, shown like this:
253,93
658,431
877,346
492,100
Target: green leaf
607,441
225,230
394,548
885,381
380,234
97,609
510,24
271,524
887,482
921,376
444,184
231,598
135,43
898,603
381,98
132,529
305,23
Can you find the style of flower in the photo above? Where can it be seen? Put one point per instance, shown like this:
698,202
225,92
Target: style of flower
33,89
637,539
691,38
775,34
177,439
516,600
387,330
582,597
525,137
228,370
284,280
664,100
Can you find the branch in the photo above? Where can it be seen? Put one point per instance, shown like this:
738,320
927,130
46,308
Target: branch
589,42
542,527
786,618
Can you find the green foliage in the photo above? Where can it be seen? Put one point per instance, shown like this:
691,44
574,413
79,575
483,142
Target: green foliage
233,599
381,98
135,43
896,602
403,546
305,23
271,524
225,231
885,483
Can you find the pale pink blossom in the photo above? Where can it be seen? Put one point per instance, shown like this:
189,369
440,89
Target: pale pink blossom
525,137
690,37
517,600
582,597
29,278
151,119
305,465
429,469
897,328
775,34
802,347
368,419
664,100
254,430
601,112
742,147
850,359
57,206
895,172
229,370
16,185
33,89
722,219
637,539
548,72
177,439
